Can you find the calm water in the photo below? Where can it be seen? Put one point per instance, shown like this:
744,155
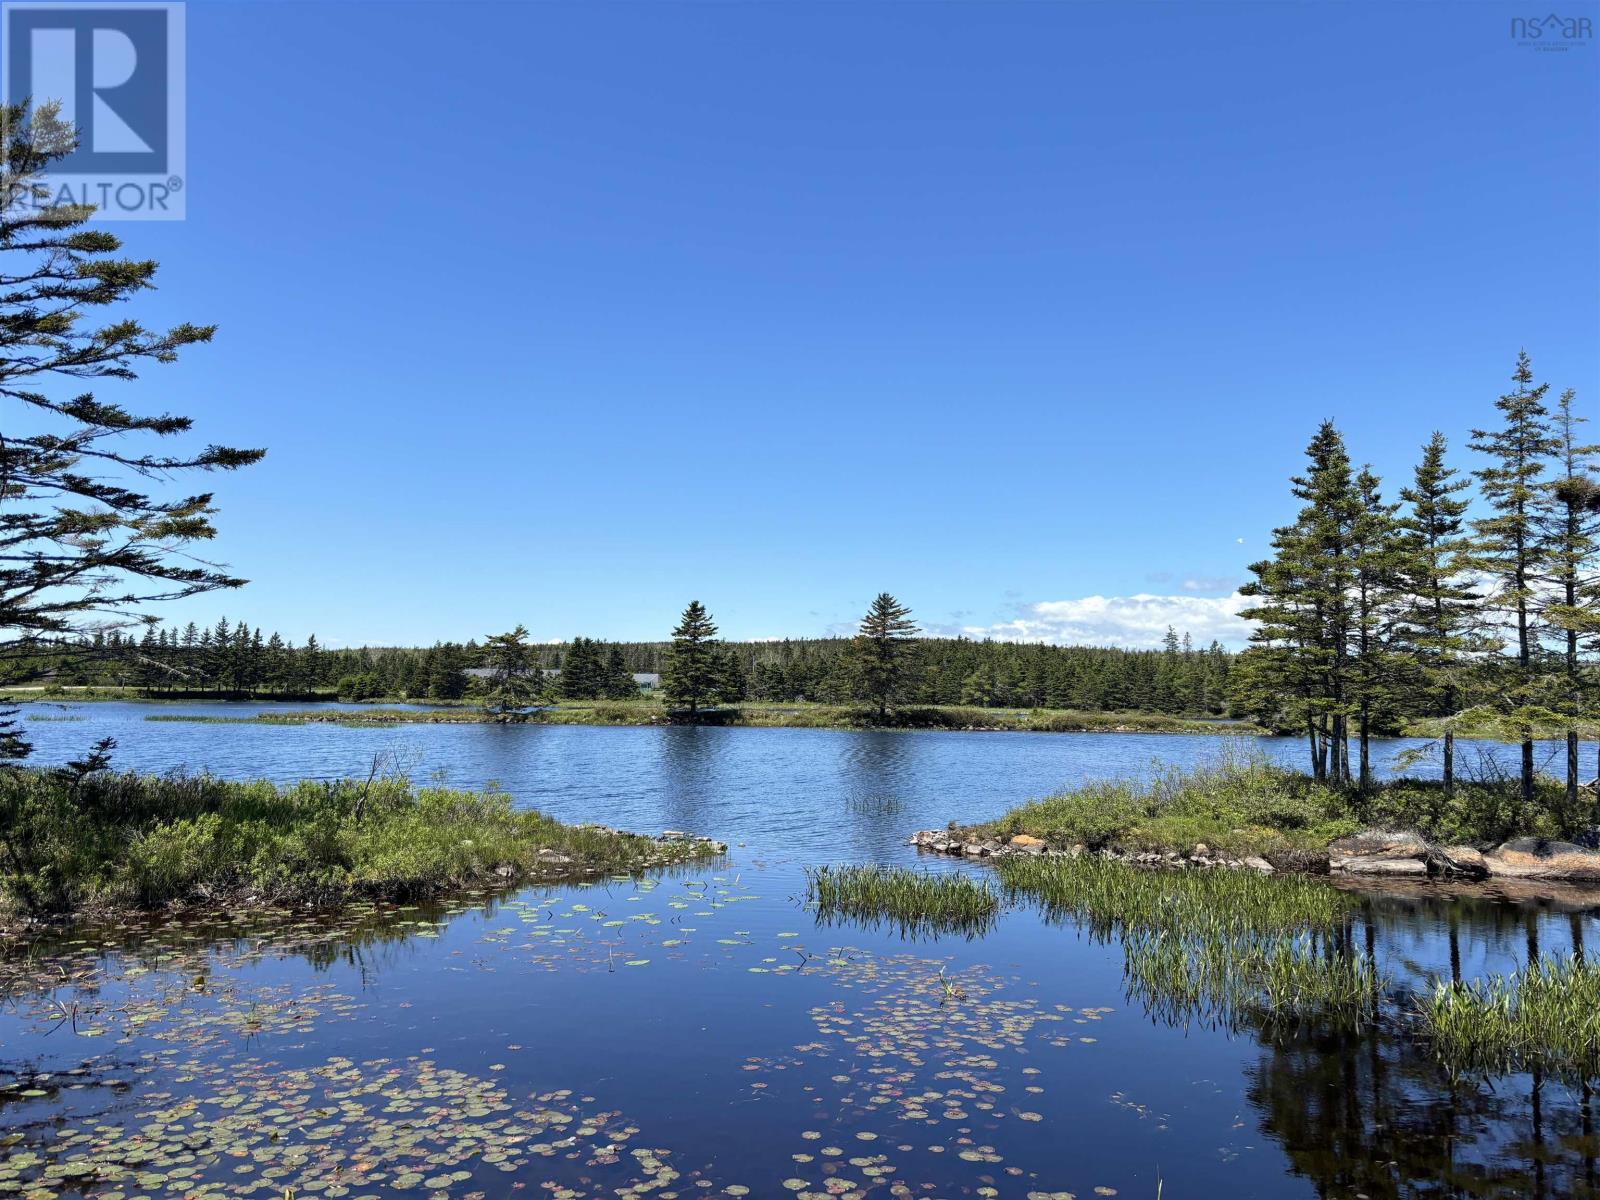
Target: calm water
698,1034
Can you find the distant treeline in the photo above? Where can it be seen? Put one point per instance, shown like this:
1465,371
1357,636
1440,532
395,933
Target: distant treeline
238,659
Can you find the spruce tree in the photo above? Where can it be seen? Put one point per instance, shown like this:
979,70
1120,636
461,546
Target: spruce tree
694,666
618,680
1511,548
1567,519
1439,607
878,651
1375,546
513,681
1298,669
82,543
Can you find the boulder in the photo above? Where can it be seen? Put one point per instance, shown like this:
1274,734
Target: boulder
1458,862
1536,858
1379,843
1256,863
1377,864
1026,839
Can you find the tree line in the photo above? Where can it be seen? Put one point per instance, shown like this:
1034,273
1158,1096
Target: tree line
236,659
1374,613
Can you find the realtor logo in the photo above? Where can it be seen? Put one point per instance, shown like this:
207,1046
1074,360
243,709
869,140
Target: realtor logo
117,73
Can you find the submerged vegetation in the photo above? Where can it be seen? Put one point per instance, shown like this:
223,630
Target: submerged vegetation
1243,804
77,842
1545,1016
915,902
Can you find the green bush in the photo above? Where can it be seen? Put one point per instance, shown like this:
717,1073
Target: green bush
1245,805
111,841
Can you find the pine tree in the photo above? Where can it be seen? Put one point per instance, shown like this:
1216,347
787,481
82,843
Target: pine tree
878,651
693,667
1510,547
1439,610
513,683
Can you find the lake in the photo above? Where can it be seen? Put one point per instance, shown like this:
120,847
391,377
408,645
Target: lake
698,1033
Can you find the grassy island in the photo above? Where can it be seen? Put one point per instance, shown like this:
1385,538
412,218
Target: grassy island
103,842
1245,805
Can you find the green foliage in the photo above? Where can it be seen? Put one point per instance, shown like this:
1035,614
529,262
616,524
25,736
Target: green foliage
1243,805
80,542
916,902
877,652
1214,944
513,682
695,669
1544,1017
102,840
1246,805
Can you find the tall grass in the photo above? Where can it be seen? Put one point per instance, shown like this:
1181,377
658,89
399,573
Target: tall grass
1212,945
122,840
1244,804
915,902
1545,1016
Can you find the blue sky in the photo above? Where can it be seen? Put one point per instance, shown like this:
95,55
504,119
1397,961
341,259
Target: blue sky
565,314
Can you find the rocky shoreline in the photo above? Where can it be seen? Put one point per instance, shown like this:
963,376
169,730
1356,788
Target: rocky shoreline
1372,853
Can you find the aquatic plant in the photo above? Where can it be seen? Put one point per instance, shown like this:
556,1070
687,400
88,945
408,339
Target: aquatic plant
1213,945
1108,893
916,902
1544,1016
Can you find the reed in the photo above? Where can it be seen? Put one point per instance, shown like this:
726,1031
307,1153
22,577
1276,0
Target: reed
1221,946
1545,1016
916,902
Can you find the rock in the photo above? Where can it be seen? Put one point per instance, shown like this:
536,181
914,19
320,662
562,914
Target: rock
1201,850
1256,863
1458,862
1378,843
1377,864
504,871
674,835
1535,858
552,858
1024,840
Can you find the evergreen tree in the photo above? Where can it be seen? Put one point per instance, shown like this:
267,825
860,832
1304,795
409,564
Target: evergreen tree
80,543
1376,552
512,684
1439,607
1298,670
1567,521
582,671
693,667
618,681
1510,547
878,651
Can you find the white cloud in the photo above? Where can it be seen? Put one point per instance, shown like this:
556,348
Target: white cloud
1134,622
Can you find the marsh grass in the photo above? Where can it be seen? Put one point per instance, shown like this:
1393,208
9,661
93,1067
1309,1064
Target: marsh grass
1545,1016
1244,804
119,841
1211,945
917,903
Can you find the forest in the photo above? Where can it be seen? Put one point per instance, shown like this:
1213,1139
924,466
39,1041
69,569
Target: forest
236,659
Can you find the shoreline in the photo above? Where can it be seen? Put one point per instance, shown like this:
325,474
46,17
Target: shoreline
755,716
